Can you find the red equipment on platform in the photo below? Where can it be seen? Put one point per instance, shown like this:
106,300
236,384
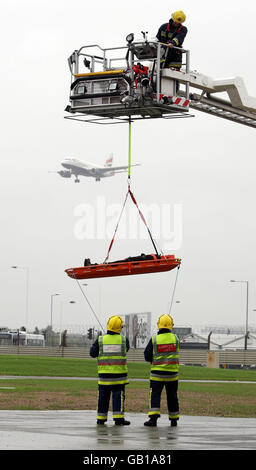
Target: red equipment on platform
125,268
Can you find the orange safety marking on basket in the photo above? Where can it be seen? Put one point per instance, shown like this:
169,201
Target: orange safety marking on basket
161,264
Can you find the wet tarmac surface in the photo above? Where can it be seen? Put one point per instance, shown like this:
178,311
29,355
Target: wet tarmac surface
77,430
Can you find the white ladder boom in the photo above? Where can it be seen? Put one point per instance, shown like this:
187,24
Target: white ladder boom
241,107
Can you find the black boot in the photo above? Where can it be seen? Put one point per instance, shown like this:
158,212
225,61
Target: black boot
101,421
122,422
152,421
174,422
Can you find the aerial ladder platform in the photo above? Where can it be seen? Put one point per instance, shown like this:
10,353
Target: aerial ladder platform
240,107
120,84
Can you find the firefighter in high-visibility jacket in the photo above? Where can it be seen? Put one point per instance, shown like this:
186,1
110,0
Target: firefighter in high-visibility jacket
172,33
162,351
111,349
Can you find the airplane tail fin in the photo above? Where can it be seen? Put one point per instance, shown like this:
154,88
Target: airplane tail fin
109,161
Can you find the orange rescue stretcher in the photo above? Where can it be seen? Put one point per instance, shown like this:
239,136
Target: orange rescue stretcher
125,268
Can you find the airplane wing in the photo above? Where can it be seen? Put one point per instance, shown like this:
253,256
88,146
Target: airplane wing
117,168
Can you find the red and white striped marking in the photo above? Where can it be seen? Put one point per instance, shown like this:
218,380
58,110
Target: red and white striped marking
181,102
177,100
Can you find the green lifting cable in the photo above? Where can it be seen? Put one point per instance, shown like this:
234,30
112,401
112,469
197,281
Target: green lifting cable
129,150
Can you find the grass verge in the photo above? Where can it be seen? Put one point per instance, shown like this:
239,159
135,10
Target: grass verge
207,399
74,367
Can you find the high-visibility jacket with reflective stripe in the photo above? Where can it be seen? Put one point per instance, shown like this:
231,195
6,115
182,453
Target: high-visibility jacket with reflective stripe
112,355
165,352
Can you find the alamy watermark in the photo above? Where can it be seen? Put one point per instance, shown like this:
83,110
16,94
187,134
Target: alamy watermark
98,222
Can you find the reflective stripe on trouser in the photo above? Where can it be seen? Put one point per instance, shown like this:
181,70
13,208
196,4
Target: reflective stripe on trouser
164,377
113,380
156,388
118,399
118,403
102,416
165,63
175,65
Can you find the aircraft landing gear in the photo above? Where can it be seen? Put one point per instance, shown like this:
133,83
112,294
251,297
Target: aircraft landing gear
77,180
97,179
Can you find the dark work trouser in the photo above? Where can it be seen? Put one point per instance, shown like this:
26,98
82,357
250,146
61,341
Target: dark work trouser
173,59
118,399
156,388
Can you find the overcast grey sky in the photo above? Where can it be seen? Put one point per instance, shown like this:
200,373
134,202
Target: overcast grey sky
205,164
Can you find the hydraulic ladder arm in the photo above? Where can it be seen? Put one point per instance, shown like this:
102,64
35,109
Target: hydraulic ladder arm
239,108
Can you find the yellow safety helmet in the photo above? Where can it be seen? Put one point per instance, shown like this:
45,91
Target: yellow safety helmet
165,321
115,324
179,16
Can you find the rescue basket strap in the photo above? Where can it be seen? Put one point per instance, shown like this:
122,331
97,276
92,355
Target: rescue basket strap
129,193
112,241
143,219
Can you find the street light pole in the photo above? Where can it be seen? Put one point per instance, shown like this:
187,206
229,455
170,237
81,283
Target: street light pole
27,294
27,291
247,325
246,312
52,295
61,312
